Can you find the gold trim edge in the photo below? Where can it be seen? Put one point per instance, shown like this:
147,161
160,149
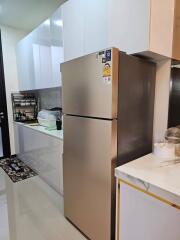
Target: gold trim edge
148,193
143,191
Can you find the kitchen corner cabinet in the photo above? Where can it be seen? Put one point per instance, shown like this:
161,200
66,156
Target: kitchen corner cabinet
133,26
141,215
176,37
143,26
39,55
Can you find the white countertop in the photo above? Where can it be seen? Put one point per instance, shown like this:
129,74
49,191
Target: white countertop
53,133
164,175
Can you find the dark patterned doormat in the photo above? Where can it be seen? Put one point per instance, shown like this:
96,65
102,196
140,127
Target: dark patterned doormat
16,169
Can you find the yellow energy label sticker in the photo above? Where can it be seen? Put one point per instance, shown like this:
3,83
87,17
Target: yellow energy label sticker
107,70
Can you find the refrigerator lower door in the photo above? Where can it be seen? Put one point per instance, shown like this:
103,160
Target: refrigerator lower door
90,149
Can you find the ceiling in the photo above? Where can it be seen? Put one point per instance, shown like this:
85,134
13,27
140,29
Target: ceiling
26,14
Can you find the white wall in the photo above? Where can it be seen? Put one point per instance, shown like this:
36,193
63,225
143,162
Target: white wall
10,37
162,91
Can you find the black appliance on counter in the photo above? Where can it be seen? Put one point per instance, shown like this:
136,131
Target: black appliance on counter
25,107
59,118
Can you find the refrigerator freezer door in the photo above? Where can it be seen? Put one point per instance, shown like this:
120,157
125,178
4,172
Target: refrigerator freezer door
90,85
89,174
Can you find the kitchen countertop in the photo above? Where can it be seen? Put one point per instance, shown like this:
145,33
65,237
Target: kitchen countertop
53,133
151,171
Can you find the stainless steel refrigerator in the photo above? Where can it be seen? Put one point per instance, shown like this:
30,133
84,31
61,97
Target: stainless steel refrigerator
108,101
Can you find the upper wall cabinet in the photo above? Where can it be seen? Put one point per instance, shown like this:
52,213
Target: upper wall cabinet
133,26
176,38
25,63
57,48
79,27
160,22
95,25
73,28
147,27
142,26
39,55
85,27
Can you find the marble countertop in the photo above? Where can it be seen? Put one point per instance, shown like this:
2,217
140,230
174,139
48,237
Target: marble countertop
150,169
53,133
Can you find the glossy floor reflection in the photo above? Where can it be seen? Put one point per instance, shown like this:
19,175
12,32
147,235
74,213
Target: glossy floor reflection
31,210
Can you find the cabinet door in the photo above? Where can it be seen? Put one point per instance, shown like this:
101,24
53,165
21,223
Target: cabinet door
57,57
144,217
129,22
39,55
25,63
37,65
42,56
96,25
57,49
73,28
176,37
45,67
42,66
43,153
161,30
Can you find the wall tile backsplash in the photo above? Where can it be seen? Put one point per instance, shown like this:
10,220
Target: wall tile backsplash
50,98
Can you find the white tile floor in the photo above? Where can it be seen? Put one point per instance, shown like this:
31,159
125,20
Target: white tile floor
31,210
4,228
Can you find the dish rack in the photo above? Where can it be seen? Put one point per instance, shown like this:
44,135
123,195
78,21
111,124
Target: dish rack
25,107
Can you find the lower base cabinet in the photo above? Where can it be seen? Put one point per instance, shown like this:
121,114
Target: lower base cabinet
41,152
144,217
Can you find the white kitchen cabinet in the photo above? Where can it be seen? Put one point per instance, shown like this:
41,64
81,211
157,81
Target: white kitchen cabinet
57,57
133,26
41,152
37,64
85,27
25,63
39,55
51,52
42,66
42,56
141,216
160,28
95,25
92,25
46,67
73,28
57,49
143,26
129,24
